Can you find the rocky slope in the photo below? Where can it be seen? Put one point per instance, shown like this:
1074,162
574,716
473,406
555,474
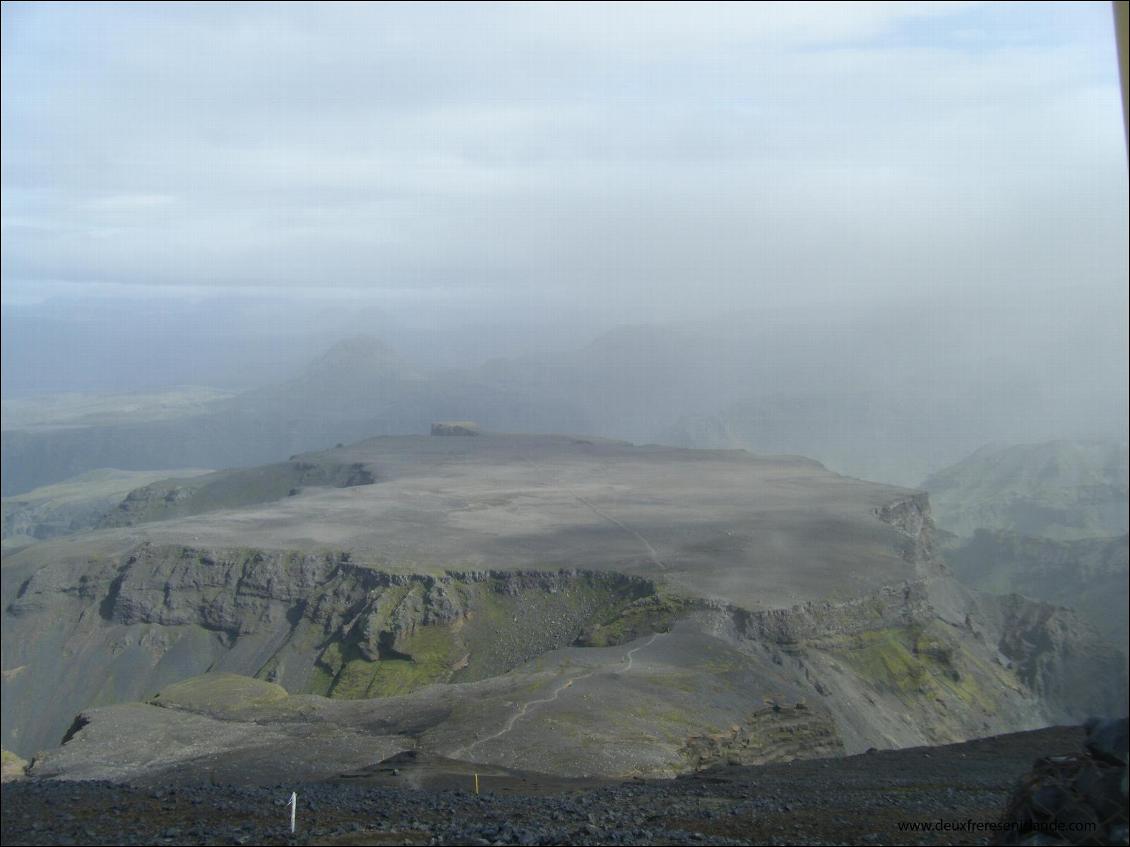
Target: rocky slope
885,797
1044,520
883,670
1090,575
580,606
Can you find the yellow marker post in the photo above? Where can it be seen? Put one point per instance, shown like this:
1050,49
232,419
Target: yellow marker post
476,783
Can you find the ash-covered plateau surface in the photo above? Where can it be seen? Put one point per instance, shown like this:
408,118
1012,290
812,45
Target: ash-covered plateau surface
574,607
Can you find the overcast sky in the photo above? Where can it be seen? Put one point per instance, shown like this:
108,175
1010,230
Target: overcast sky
655,161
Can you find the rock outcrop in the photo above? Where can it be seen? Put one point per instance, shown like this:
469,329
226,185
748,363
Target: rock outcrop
776,732
1089,575
1074,799
455,428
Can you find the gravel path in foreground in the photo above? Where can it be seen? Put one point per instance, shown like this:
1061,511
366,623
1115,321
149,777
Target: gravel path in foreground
857,800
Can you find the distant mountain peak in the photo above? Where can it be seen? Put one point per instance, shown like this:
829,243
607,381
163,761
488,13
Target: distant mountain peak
364,353
632,336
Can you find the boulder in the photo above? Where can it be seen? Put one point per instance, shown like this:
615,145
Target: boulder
455,428
1075,799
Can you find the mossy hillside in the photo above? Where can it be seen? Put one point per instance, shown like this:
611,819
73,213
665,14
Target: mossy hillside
505,628
220,694
13,767
410,637
431,654
343,671
920,664
293,664
321,623
620,624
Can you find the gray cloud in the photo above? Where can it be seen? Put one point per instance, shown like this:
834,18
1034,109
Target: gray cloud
694,157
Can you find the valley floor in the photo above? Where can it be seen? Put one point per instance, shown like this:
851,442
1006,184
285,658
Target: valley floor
867,799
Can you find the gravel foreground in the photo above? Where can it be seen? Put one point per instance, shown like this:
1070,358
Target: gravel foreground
857,800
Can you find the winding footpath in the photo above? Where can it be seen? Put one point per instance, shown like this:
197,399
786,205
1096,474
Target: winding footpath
596,510
524,708
652,553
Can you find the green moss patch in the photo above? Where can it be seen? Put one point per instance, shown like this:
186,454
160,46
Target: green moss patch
426,656
13,766
220,694
917,661
622,624
500,623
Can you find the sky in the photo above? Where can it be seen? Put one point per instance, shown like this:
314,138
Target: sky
649,162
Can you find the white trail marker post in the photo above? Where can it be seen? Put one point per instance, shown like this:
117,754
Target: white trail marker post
293,809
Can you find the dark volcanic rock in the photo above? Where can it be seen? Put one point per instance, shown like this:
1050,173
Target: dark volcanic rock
878,798
455,428
1079,798
1107,740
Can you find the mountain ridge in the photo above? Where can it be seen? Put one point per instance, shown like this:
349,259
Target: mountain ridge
633,592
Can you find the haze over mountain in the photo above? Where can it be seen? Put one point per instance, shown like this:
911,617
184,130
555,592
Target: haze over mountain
502,388
359,387
1046,520
724,383
912,214
1058,489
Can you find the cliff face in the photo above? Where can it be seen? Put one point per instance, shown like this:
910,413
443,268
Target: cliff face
314,623
880,670
896,668
618,667
912,517
1047,521
1090,575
